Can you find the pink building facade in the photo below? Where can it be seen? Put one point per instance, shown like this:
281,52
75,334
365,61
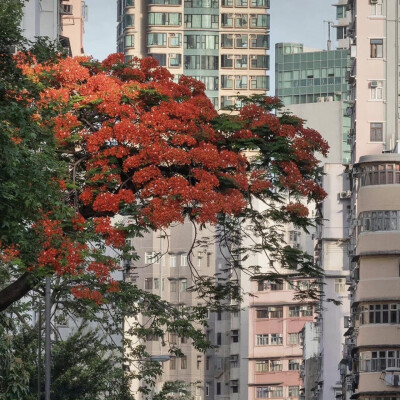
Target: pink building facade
275,352
72,17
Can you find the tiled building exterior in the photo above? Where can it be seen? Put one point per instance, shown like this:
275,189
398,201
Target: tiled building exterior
223,43
371,363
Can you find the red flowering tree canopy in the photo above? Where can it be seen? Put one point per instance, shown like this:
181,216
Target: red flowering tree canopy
125,139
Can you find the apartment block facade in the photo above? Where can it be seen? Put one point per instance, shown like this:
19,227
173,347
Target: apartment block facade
58,20
312,84
222,43
371,364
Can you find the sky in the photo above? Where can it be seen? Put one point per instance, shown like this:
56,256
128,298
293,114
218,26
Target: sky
291,21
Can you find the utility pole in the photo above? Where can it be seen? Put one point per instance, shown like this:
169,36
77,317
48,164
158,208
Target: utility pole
47,359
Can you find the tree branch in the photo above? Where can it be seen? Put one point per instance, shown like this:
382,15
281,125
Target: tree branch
15,291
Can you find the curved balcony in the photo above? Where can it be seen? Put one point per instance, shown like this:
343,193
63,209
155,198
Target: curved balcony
378,289
379,242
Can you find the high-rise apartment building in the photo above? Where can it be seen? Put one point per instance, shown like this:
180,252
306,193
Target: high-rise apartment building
371,362
222,43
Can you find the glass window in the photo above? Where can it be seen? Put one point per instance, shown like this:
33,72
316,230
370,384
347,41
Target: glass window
241,20
262,340
260,3
184,260
376,131
275,392
175,39
259,62
173,286
294,391
262,366
377,7
340,285
340,12
380,220
241,41
200,42
293,338
294,365
259,41
235,336
175,60
259,82
226,41
226,82
201,21
234,360
157,39
184,362
226,61
242,3
157,18
376,90
241,61
341,32
148,283
376,48
241,82
129,40
259,21
166,2
227,3
227,20
276,339
262,392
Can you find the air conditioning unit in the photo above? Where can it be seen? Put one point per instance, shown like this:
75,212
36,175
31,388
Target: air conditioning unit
66,9
320,99
345,194
373,84
329,98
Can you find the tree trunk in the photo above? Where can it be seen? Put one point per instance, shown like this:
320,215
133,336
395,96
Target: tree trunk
15,291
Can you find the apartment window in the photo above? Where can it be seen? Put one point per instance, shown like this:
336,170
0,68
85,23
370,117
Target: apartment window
161,58
259,41
341,32
259,62
219,363
201,21
242,3
157,39
293,338
183,285
275,312
294,365
172,261
207,363
207,389
208,260
227,3
200,42
262,340
234,386
156,283
174,286
377,8
129,40
226,82
128,21
276,339
234,361
376,46
260,3
262,313
340,12
211,82
276,286
241,20
166,2
376,131
172,363
275,392
235,336
294,311
259,21
241,82
175,60
380,174
173,338
157,18
276,365
148,283
219,339
150,257
184,362
262,392
183,340
201,3
380,314
218,388
376,90
241,61
242,41
340,285
227,101
262,366
201,62
175,39
379,221
294,391
262,286
306,311
184,260
259,82
377,361
226,61
226,41
227,20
